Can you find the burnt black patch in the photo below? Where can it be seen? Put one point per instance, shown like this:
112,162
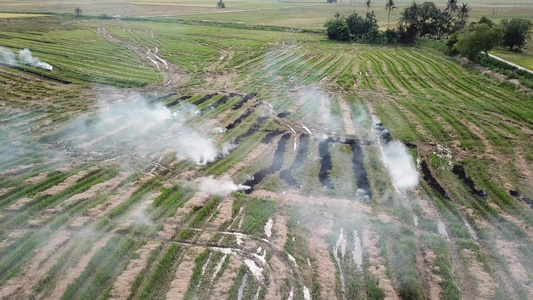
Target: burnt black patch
410,145
283,114
359,170
270,136
460,172
253,129
276,165
205,98
384,134
244,99
177,101
514,194
297,162
358,167
220,101
50,77
526,200
325,163
239,119
431,181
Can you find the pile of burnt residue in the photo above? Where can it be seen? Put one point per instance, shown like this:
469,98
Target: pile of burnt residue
358,167
460,172
297,162
410,145
277,163
177,101
205,98
383,133
270,136
244,99
431,181
325,163
517,195
283,114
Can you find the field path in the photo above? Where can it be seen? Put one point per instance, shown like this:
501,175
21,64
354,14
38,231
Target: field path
172,76
511,64
347,117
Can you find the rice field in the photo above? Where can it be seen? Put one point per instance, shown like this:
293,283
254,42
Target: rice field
164,160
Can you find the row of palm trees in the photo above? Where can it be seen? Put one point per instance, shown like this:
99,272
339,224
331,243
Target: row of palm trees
452,7
462,11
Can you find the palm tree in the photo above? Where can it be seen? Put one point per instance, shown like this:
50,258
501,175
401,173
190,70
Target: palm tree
368,3
78,11
389,6
463,12
452,7
337,15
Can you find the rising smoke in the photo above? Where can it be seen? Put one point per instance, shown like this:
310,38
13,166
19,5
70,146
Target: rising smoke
219,187
126,126
8,57
400,165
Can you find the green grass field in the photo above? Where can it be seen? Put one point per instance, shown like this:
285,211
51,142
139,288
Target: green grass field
105,191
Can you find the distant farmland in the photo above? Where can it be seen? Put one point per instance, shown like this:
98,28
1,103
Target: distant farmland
165,160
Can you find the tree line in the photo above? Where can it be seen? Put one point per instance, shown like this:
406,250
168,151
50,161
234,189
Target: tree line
427,20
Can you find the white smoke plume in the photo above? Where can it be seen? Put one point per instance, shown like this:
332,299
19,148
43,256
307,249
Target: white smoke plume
400,165
26,58
219,187
127,128
195,147
8,57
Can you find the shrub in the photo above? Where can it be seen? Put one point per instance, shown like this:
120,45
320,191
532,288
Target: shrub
337,30
390,36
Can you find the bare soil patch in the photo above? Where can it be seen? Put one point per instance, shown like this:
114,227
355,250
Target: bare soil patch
96,189
67,182
36,179
485,285
21,287
76,271
277,277
319,250
224,213
377,264
347,117
223,285
295,198
249,160
279,231
181,281
121,288
425,263
171,224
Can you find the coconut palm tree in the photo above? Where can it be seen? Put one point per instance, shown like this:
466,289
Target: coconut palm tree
389,6
78,11
368,4
337,15
452,7
463,12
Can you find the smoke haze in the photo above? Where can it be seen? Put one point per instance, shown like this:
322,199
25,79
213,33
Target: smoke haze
219,187
400,165
8,57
